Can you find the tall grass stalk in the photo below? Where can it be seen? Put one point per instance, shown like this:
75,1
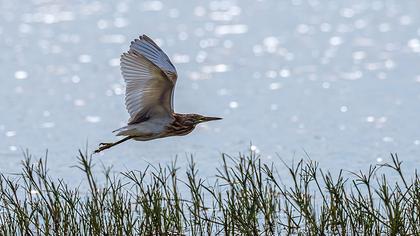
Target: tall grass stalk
247,197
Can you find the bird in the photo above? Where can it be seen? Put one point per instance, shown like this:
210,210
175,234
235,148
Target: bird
150,79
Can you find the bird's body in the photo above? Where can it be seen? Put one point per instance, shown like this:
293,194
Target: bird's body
150,77
157,128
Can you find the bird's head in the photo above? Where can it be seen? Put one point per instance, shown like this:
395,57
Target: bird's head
194,119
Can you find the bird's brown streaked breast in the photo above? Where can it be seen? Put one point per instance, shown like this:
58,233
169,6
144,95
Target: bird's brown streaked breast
178,129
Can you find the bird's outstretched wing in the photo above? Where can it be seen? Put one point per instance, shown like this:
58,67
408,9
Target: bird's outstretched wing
150,78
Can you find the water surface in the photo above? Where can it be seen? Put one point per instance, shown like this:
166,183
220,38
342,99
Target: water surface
338,80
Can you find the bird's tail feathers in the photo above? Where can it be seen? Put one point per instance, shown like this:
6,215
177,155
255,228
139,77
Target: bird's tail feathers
120,129
123,131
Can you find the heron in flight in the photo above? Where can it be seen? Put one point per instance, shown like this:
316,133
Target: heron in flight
150,79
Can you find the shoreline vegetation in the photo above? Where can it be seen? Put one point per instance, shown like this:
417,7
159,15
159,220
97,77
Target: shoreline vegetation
247,197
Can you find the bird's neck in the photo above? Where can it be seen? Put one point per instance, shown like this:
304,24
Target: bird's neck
180,118
179,126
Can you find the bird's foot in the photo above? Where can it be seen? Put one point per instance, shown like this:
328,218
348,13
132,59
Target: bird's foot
103,146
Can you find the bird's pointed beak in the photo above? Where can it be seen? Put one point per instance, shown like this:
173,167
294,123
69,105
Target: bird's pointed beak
209,118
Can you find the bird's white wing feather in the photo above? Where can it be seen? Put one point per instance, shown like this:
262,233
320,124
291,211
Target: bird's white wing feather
148,91
152,52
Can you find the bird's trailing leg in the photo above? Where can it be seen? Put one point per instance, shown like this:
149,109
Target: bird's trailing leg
104,146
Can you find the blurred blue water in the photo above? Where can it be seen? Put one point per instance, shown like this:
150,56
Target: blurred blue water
337,79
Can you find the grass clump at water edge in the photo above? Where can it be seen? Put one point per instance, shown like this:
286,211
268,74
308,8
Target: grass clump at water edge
247,197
